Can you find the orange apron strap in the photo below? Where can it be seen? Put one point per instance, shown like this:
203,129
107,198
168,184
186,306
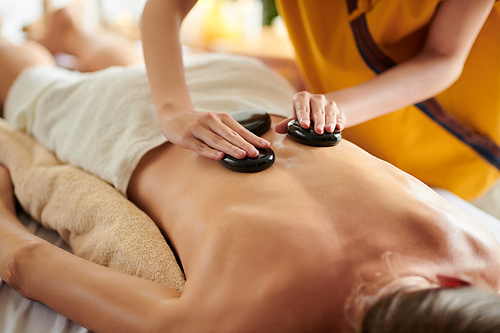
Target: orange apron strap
379,62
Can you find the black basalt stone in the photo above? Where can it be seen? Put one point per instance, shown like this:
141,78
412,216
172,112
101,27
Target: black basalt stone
256,121
311,138
250,164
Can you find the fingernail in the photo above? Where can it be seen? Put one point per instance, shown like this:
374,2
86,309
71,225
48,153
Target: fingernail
340,124
254,151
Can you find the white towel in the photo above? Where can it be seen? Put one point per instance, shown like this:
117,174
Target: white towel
104,122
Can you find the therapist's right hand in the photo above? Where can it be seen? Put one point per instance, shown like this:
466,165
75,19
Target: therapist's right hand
317,108
210,134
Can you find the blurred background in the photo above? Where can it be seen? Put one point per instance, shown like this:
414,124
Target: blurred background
246,27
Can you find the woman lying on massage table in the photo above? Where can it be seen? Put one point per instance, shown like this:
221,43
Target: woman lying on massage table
326,240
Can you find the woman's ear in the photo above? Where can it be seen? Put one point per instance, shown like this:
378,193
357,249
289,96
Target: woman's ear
446,281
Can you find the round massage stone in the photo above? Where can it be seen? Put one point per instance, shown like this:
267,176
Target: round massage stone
256,121
250,164
311,138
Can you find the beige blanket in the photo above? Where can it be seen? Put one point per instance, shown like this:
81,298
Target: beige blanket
97,222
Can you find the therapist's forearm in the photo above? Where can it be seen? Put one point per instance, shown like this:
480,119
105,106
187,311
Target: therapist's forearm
416,80
160,25
209,134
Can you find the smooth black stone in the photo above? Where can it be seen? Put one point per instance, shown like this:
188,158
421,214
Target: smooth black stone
311,138
256,121
250,164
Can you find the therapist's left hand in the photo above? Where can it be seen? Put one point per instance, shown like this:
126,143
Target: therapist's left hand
325,114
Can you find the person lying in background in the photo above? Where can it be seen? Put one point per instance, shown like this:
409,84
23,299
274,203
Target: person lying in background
326,240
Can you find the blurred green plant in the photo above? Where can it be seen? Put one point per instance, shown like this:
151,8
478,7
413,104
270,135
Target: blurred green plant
270,11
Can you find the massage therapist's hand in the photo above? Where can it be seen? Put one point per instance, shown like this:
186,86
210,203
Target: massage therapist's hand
210,134
325,114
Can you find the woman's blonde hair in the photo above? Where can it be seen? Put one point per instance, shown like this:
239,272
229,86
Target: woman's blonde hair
365,293
457,310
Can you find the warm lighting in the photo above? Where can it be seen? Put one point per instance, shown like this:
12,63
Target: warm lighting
206,4
245,6
124,18
231,21
225,20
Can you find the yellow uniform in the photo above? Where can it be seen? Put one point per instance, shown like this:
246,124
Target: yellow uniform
450,141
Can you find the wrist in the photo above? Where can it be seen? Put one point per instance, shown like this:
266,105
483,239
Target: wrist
167,108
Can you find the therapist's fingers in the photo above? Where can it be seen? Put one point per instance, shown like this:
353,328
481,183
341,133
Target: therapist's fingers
331,112
210,134
218,143
302,108
242,137
318,112
225,134
341,121
201,148
325,114
233,139
229,136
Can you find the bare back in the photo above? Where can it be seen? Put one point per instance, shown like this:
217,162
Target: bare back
293,241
